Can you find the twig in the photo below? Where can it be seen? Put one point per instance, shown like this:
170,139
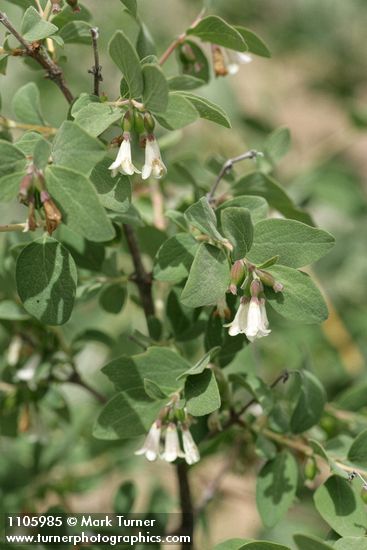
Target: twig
13,227
227,167
39,54
141,277
12,124
171,48
96,70
187,511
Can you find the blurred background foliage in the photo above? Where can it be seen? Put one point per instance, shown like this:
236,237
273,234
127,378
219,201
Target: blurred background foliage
316,85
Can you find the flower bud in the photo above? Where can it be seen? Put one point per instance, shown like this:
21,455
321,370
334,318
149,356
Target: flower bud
56,8
149,123
256,287
268,280
24,188
74,5
186,53
138,123
127,122
180,415
53,214
310,469
238,274
219,63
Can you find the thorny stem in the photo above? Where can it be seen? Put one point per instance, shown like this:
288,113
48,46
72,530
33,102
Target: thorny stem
39,54
227,167
96,70
181,38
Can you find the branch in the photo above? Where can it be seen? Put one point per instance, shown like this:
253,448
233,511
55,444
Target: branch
39,54
12,124
227,167
96,70
187,510
141,277
143,281
171,48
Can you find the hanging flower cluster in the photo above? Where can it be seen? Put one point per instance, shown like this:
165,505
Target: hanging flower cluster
153,165
227,62
163,439
251,318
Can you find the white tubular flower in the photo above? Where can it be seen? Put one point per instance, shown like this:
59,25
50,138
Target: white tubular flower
250,319
191,450
239,323
257,320
123,163
151,444
153,161
235,60
172,449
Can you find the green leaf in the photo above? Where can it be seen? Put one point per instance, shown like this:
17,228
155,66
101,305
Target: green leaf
86,254
202,394
296,243
76,32
83,101
310,405
257,206
155,95
215,30
34,27
26,105
184,82
254,43
145,45
113,193
237,227
358,451
277,145
159,365
153,390
354,398
300,301
74,148
202,216
199,66
124,55
9,186
307,542
341,507
179,113
95,118
256,387
208,279
126,416
260,184
264,545
11,158
202,364
4,58
174,258
113,298
125,498
41,153
351,543
131,5
10,311
46,280
28,141
208,110
276,488
79,204
231,544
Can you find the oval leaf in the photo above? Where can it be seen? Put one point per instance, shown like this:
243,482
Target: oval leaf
46,280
